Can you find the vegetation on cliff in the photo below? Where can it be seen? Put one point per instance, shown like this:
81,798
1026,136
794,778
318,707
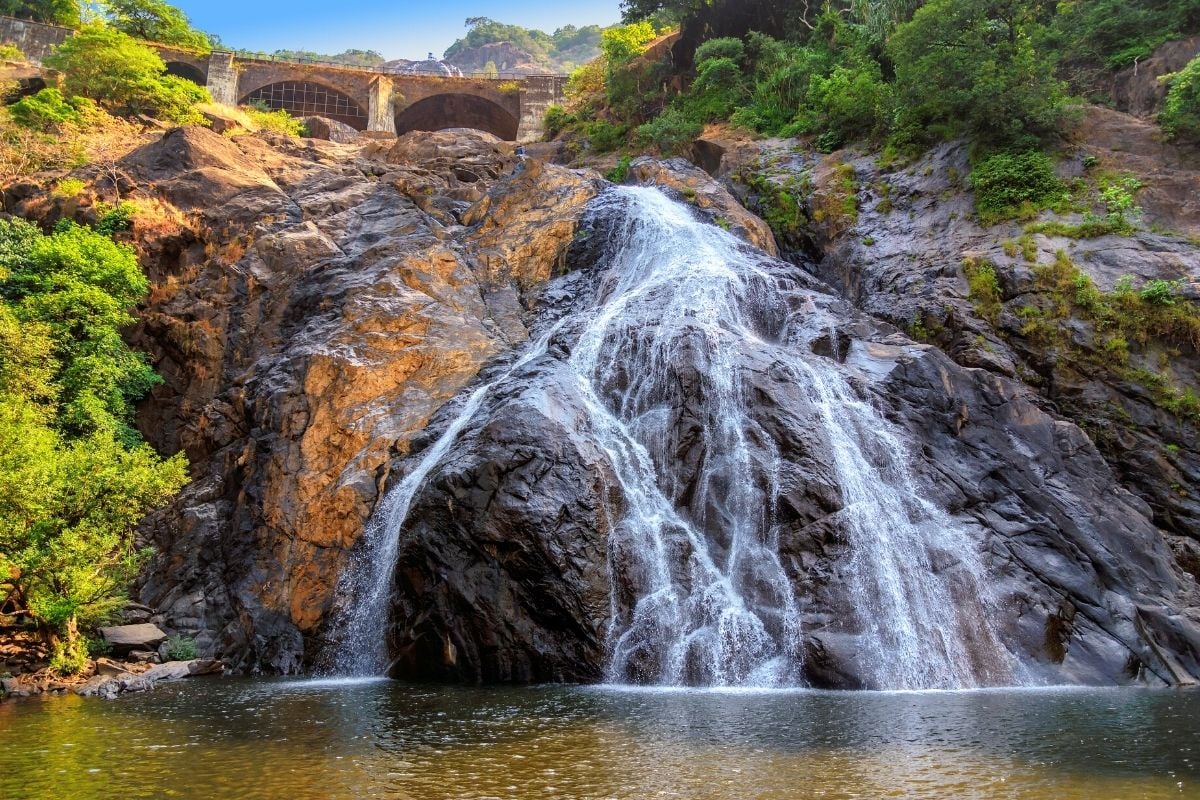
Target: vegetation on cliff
561,51
77,477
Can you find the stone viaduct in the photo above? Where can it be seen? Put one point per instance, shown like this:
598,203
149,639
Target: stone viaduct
367,99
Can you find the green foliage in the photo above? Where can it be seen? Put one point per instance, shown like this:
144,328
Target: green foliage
181,648
114,219
1005,182
10,52
984,288
80,285
55,12
1096,36
1180,117
69,187
75,477
351,57
620,172
278,121
970,66
48,110
622,43
604,136
124,76
69,657
557,118
1115,196
156,21
727,47
671,132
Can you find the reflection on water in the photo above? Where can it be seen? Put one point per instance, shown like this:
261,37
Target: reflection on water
371,738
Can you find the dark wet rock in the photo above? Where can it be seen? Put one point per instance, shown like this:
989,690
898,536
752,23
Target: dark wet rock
502,569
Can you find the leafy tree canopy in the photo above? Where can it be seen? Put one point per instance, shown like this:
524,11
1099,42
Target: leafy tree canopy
55,12
75,477
156,21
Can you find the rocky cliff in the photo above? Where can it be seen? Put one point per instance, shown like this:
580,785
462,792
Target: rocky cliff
318,310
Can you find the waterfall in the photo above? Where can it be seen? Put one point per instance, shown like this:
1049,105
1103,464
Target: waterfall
701,594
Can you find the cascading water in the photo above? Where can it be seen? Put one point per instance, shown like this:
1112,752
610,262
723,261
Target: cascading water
700,592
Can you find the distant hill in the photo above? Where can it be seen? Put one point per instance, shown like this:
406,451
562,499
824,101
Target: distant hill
510,48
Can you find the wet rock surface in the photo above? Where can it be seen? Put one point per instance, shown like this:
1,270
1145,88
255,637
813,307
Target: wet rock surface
313,304
502,568
319,309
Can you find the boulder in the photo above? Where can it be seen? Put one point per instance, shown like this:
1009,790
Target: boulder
224,119
329,129
142,636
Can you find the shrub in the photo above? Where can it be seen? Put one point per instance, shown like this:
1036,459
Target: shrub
181,648
114,219
727,47
852,102
604,136
1158,292
1180,117
620,172
509,87
719,88
984,288
48,110
557,118
70,657
671,132
69,187
1004,182
278,121
10,52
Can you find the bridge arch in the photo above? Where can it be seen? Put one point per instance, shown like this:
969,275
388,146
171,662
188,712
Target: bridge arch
453,110
306,98
191,72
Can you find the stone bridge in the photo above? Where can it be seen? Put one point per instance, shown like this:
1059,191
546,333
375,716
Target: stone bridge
367,99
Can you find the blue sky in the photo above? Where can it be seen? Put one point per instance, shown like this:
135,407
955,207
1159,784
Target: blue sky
398,29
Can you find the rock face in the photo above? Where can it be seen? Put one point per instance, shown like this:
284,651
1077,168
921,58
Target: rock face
317,306
321,311
507,571
900,257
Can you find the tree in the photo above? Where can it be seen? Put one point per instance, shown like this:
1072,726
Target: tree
970,66
124,75
54,12
156,21
75,478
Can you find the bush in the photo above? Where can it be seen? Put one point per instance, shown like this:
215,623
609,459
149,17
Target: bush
48,110
728,47
718,89
70,657
852,102
620,172
278,121
671,132
181,648
10,52
69,187
1180,117
1005,182
114,219
604,136
557,118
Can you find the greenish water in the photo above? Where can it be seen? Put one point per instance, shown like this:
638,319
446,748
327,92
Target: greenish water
234,738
